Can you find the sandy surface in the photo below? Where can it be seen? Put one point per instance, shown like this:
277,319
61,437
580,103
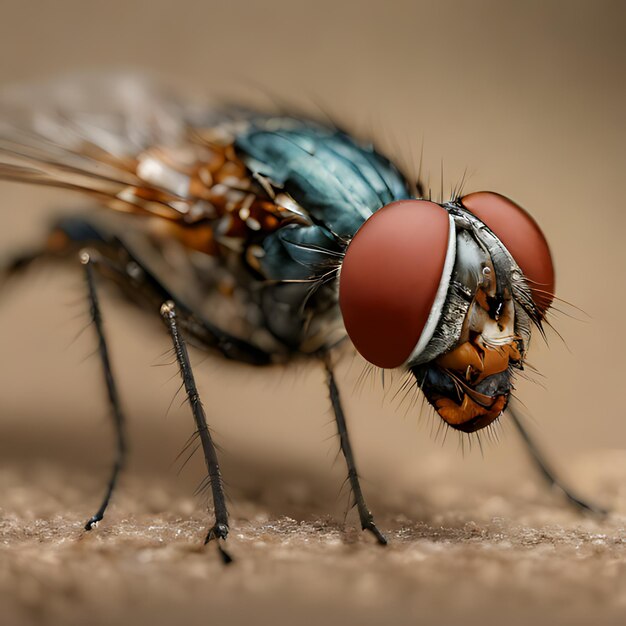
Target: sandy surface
456,557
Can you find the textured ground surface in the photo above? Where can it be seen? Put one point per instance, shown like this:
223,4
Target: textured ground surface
487,559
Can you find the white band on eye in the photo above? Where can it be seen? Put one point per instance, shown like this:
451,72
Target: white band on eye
440,298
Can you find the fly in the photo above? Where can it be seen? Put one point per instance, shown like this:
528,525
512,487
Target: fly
266,238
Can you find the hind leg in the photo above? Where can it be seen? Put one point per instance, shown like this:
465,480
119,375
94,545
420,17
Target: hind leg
112,394
15,266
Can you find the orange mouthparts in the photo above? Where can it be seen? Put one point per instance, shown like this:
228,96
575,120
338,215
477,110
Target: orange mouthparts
468,365
469,416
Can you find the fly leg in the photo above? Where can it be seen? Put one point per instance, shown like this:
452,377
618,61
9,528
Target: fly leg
365,515
114,401
14,267
548,473
219,530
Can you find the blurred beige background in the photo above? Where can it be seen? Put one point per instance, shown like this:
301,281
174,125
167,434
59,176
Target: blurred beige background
529,97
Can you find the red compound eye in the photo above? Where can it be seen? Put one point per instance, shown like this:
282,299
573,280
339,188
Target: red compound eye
394,279
522,237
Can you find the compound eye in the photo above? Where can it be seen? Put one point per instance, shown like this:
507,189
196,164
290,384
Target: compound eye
522,237
394,278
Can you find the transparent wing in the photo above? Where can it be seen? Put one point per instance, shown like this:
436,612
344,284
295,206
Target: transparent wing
119,114
121,138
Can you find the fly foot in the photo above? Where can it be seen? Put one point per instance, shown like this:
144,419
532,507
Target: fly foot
380,538
92,522
584,506
219,532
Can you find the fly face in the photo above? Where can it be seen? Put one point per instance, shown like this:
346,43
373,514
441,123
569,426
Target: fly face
470,384
451,292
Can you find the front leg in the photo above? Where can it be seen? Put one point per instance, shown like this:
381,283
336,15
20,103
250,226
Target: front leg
548,473
365,515
219,530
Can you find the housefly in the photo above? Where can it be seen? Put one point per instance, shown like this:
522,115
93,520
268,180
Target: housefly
269,237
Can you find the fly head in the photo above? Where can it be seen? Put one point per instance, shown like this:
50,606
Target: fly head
450,292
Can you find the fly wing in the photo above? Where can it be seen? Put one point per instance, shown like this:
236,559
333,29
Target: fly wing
120,138
118,114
